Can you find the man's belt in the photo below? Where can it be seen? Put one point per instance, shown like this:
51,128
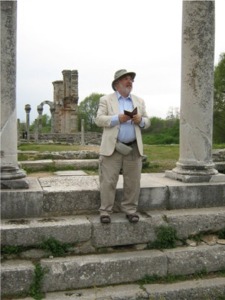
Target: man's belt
131,143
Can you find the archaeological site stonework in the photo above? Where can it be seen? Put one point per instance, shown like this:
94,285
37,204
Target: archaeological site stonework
64,107
196,116
11,175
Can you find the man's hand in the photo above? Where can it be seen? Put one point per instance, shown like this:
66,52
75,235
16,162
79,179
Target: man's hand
136,119
123,118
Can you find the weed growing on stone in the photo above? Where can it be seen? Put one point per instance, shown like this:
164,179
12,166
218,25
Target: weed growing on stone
10,250
55,247
221,234
166,238
35,288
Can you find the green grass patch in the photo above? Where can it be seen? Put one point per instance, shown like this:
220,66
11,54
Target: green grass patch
55,247
53,147
221,234
166,238
10,250
35,288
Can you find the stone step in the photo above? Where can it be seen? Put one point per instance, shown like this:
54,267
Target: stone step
39,165
88,234
96,270
200,289
66,195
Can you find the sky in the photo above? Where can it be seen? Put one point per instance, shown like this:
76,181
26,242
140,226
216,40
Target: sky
97,38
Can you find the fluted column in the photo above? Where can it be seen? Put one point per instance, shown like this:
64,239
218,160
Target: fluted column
196,114
10,171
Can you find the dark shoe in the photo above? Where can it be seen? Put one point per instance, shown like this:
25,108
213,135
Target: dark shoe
105,219
133,218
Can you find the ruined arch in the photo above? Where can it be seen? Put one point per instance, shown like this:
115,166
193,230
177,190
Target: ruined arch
40,109
64,107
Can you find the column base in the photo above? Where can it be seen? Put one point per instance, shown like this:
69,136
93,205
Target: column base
195,178
13,178
14,184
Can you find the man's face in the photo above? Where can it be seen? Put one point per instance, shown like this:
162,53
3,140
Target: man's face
125,85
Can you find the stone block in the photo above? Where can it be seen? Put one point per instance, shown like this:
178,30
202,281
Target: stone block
78,163
121,292
97,270
70,203
121,232
16,277
186,261
35,231
192,222
196,195
212,289
23,203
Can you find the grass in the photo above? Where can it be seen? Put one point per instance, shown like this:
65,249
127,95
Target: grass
35,288
166,238
55,247
54,147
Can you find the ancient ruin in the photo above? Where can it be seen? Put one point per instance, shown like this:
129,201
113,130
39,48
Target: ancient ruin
11,175
195,162
196,113
53,245
64,106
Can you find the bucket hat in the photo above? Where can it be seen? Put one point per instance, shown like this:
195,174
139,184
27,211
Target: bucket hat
121,73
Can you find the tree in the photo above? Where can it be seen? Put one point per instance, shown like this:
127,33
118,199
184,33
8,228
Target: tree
162,131
173,113
45,123
88,110
219,101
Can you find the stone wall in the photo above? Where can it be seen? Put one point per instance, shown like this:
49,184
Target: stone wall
75,138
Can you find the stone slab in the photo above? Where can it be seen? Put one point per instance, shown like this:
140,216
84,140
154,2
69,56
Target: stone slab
77,229
121,232
69,183
64,195
191,260
189,222
196,195
97,270
37,164
78,163
32,232
213,289
71,173
16,276
25,203
74,272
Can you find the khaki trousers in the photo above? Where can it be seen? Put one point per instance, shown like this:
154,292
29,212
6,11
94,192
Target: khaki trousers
109,170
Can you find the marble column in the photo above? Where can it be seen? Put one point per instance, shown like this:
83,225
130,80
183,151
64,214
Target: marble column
40,111
11,175
196,114
28,109
52,110
82,133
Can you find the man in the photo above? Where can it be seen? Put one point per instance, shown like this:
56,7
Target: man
121,146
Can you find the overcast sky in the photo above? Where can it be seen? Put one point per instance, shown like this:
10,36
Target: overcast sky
98,37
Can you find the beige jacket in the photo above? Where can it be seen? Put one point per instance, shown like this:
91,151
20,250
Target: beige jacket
109,106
